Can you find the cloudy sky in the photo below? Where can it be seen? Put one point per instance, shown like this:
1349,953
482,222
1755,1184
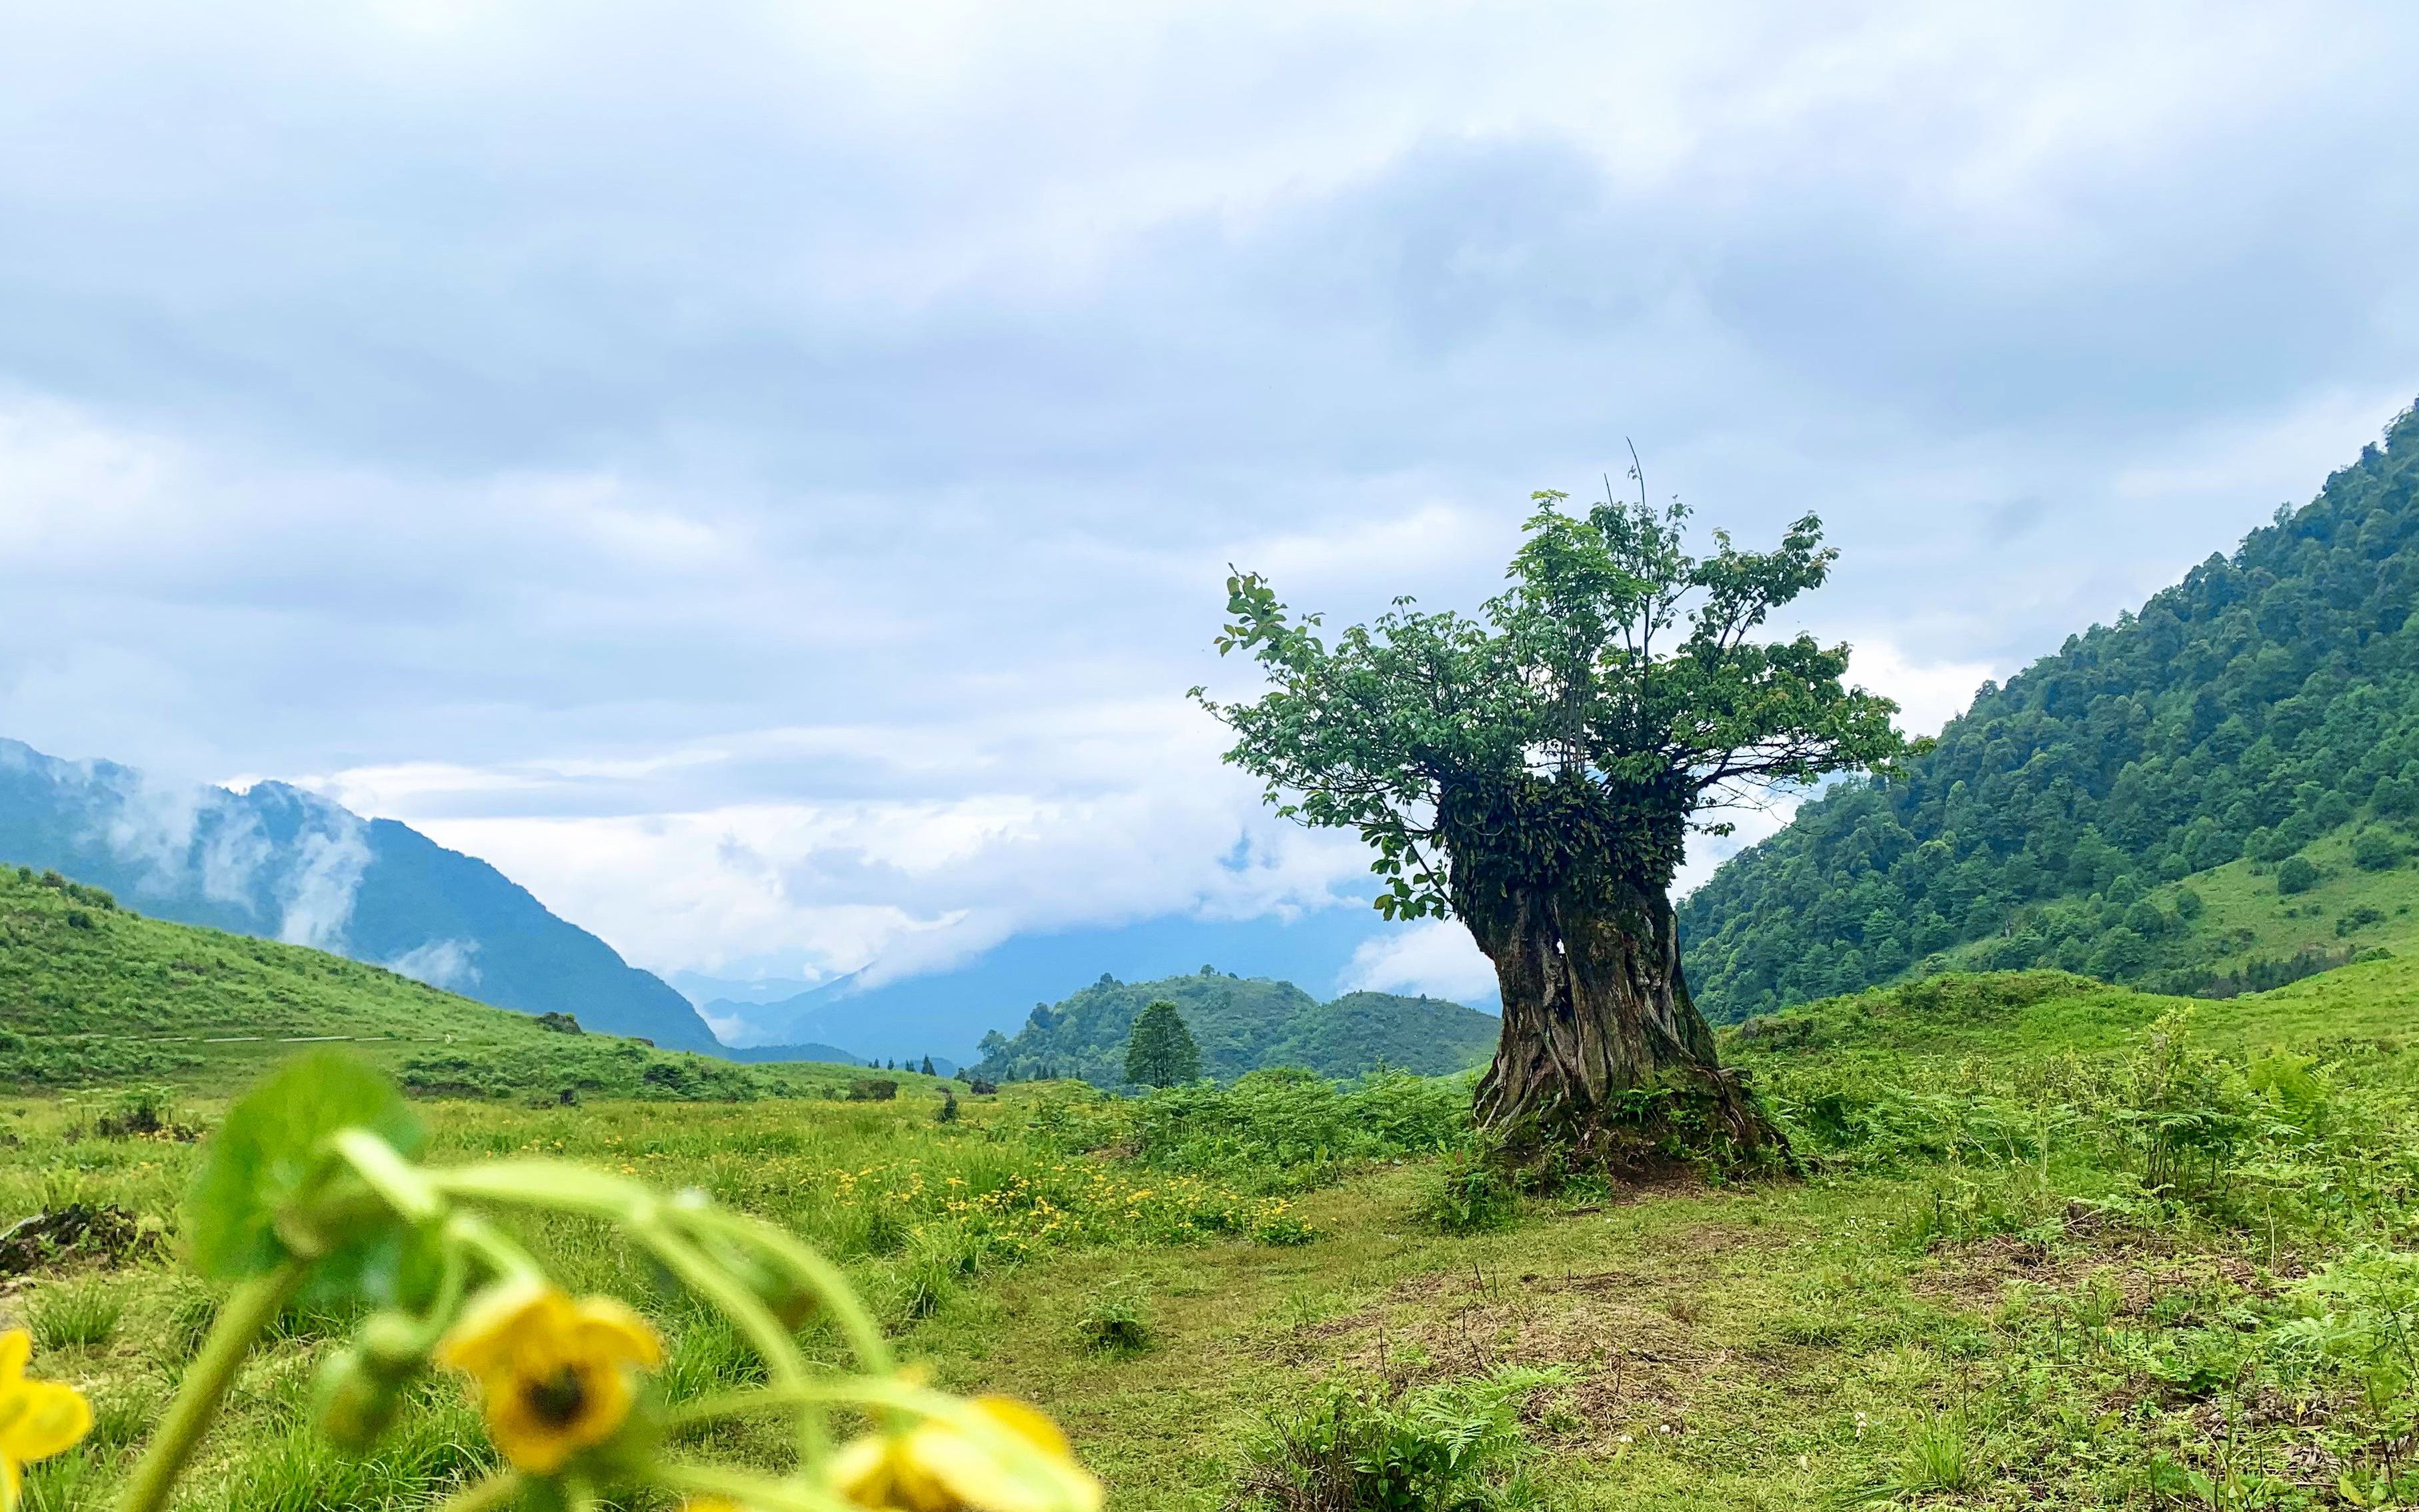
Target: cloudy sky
762,473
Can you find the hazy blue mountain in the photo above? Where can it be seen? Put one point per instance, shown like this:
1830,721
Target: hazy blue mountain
948,1013
278,863
702,988
809,1052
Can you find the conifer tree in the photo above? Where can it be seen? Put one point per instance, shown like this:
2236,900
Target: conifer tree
1159,1052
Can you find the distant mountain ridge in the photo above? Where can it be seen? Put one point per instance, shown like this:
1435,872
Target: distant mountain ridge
2219,792
1241,1025
947,1012
281,863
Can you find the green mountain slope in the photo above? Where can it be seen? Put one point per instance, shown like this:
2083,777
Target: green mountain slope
279,862
2012,1016
1243,1023
91,993
2187,799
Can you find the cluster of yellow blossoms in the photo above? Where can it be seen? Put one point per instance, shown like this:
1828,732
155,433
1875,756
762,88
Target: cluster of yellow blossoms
554,1378
37,1418
309,1182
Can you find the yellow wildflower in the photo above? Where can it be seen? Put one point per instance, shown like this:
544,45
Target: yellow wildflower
553,1374
37,1418
934,1467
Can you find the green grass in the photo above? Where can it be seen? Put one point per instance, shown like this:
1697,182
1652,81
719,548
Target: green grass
80,1316
2057,1246
92,995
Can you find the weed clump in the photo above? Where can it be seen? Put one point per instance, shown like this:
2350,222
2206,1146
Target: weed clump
77,1315
1114,1323
1451,1446
75,1232
1468,1193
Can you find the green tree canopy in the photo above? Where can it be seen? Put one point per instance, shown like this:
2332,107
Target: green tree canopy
1534,771
1159,1052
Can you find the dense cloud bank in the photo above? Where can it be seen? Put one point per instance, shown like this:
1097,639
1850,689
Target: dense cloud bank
764,482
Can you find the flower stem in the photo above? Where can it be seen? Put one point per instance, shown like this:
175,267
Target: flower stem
247,1310
813,1271
757,1491
771,1341
494,1490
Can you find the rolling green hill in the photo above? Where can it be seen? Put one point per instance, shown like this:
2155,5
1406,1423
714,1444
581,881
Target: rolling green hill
2014,1023
2218,792
91,993
1243,1023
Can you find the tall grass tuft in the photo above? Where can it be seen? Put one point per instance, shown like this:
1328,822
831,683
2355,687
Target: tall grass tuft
75,1315
1113,1323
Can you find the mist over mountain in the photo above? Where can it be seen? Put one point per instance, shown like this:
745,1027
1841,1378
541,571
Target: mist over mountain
282,863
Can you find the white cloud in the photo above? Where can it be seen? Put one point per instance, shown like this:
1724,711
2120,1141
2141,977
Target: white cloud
1432,956
1928,696
452,964
763,478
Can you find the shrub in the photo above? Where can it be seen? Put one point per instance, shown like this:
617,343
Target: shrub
873,1089
1452,1446
1467,1194
2296,875
1114,1323
2373,850
2178,1112
1296,1126
145,1113
2359,919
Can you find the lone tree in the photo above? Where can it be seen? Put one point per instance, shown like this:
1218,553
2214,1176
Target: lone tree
1159,1052
1535,773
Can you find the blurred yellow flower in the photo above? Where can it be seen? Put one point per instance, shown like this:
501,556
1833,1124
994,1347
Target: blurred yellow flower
553,1374
37,1418
934,1467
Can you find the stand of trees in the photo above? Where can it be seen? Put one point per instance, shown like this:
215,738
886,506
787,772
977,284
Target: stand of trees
2267,699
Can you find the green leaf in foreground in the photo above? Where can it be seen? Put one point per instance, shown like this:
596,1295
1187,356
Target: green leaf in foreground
271,1146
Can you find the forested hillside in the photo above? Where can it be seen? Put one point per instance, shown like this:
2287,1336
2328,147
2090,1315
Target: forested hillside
2260,721
1243,1023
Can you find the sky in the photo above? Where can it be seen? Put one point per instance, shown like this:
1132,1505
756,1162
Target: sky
763,475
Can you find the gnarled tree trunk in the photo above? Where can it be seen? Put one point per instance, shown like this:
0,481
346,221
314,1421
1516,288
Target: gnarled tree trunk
1596,1010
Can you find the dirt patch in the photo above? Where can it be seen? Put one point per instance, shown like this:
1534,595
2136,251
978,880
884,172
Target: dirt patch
80,1231
1978,1275
1633,1339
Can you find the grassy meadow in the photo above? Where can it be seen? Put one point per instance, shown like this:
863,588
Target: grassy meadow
2058,1244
